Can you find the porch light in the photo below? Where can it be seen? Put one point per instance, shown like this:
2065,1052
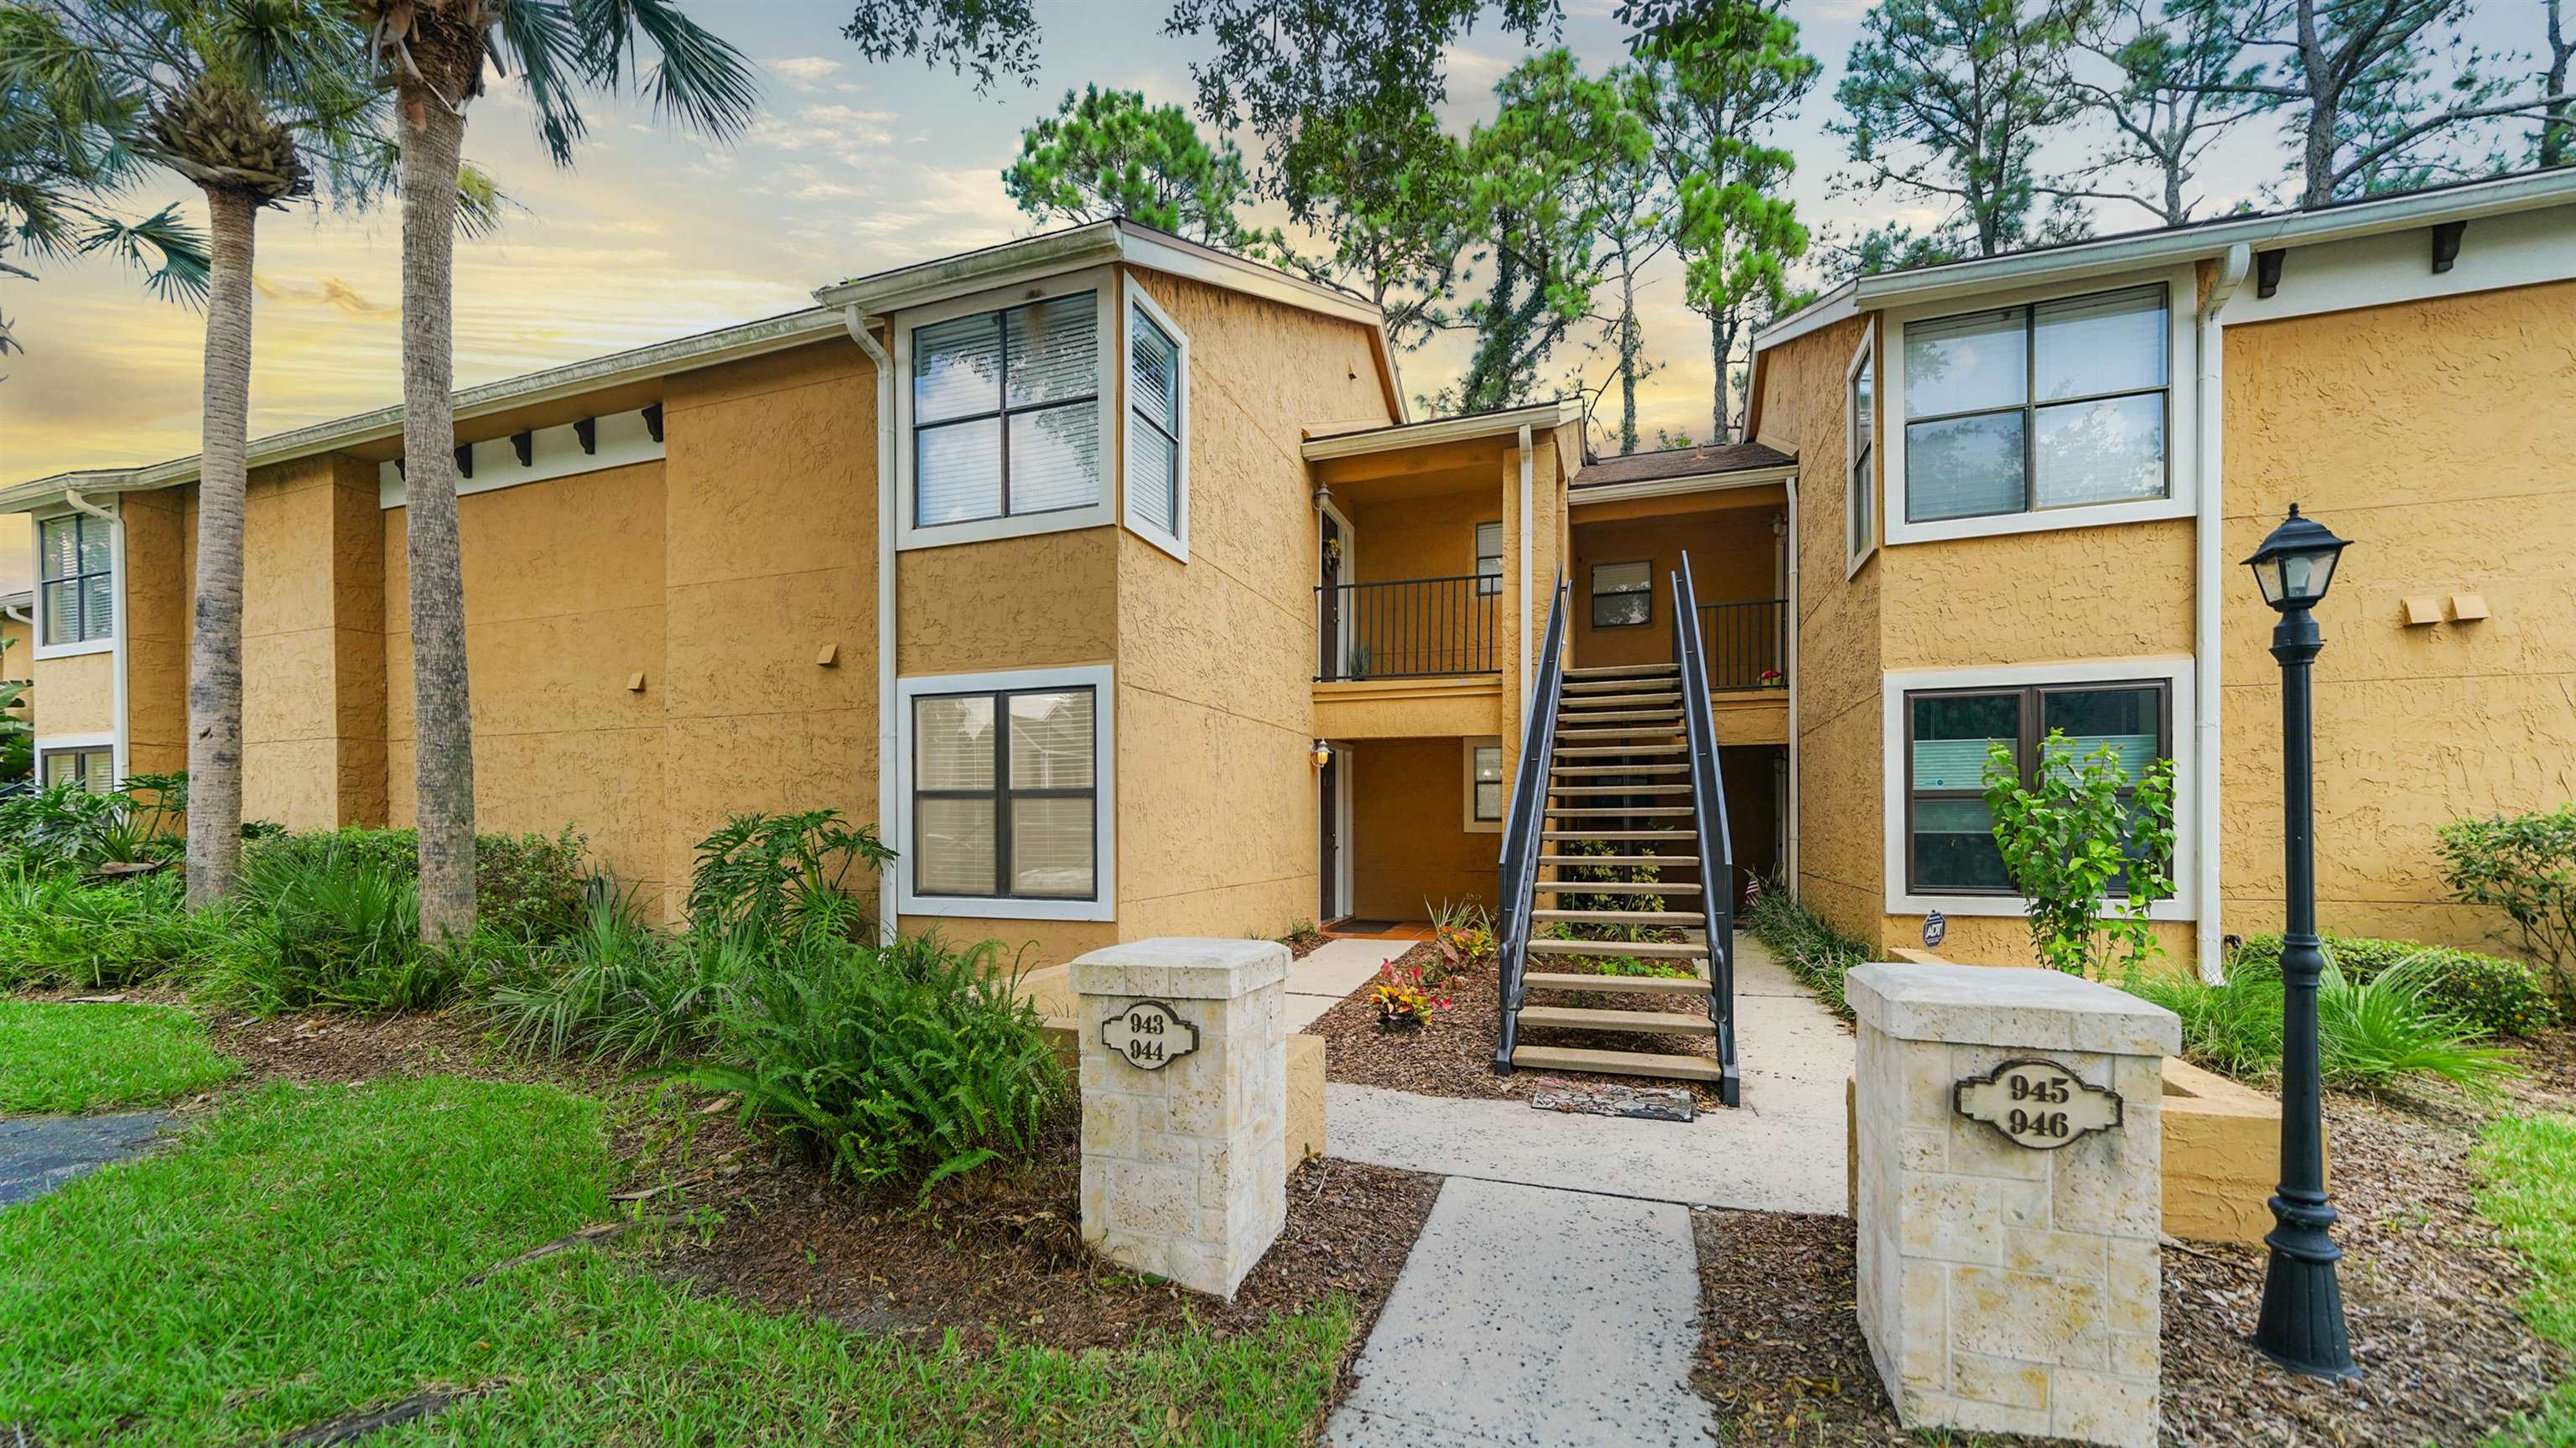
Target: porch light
2296,562
1321,754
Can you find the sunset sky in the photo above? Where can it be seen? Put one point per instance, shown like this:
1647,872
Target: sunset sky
852,168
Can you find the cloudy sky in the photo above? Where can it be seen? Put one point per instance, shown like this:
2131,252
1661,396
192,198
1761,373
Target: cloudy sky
852,168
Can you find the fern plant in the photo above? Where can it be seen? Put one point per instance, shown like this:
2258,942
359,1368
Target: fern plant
764,874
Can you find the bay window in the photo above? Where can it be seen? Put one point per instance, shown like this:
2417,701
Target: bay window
1158,369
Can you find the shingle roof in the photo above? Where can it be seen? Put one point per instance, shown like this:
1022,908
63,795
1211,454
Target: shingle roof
1680,462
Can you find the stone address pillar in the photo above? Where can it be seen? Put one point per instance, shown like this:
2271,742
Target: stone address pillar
2010,1147
1184,1105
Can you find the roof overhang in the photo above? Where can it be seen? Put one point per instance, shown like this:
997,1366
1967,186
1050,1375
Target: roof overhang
1504,422
2137,251
1579,496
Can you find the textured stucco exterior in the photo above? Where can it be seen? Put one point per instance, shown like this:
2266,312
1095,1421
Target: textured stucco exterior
1411,849
1734,559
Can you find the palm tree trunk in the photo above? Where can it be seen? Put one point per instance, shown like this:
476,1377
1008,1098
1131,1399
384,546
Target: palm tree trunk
442,709
214,650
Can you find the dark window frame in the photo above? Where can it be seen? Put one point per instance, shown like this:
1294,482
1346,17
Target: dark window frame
1502,806
1003,794
1488,585
80,753
2028,409
1001,414
1646,590
78,578
2032,706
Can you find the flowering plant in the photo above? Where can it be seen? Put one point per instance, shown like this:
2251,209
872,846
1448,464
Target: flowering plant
1772,676
1462,936
1403,1002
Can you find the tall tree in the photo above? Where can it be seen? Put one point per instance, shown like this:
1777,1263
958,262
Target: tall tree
1532,198
2381,92
1633,209
2163,103
1950,100
248,102
1390,195
2556,145
434,54
1107,153
1721,76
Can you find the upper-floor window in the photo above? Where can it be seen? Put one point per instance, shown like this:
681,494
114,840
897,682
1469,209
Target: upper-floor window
1489,558
1860,499
1005,412
1158,458
2060,404
1623,594
75,573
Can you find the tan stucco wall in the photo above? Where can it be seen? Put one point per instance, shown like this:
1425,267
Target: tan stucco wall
18,660
563,605
159,590
313,646
1734,559
79,693
1408,708
2436,435
1410,848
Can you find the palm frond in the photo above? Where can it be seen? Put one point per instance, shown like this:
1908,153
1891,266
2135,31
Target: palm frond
171,254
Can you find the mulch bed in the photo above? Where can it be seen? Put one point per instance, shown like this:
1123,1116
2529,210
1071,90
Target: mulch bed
2429,1292
1303,943
1454,1054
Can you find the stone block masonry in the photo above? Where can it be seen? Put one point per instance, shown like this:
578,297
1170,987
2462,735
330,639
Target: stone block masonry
2008,1278
1184,1076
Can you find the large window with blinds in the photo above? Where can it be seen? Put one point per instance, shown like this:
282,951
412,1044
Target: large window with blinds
1158,411
1005,791
2060,404
75,580
1949,833
92,767
1006,418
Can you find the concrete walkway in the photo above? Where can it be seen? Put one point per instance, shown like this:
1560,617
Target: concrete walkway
1528,1316
1319,982
40,1153
1781,1151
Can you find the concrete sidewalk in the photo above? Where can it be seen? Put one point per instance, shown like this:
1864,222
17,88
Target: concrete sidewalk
1319,982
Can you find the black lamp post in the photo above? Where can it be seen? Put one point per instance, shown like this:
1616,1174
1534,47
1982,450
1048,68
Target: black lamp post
2302,1327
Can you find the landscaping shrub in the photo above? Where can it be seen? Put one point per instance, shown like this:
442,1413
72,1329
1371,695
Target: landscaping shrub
58,929
69,827
2524,865
769,875
2073,844
2386,1033
905,1066
1462,936
528,885
1404,1000
2502,997
341,927
1805,943
616,989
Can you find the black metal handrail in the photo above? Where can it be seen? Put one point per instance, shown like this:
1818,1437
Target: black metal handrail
1524,829
1409,628
1748,643
1708,810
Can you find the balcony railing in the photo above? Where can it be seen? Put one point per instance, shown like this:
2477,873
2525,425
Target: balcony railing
1414,628
1748,643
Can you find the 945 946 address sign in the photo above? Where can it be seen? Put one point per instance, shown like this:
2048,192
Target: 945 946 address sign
2038,1104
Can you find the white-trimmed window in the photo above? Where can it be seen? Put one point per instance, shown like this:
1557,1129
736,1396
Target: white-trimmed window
1940,723
1006,803
2044,408
1623,594
75,582
1860,497
1007,414
1485,786
1158,426
1489,559
91,766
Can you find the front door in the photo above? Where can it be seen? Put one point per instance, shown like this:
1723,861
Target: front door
1330,597
1331,850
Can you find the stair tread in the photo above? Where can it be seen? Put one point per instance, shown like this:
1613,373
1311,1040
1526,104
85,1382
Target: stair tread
1655,731
1619,917
1619,789
1660,985
1613,887
1635,751
1617,716
1679,837
1619,860
1618,1063
1643,949
1622,671
1619,811
1593,771
1617,701
1586,1018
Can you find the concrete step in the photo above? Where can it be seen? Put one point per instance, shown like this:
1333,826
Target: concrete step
1619,917
1652,985
1644,1023
1642,949
1617,1063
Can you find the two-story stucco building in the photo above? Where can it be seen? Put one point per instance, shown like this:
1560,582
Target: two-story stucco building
1106,573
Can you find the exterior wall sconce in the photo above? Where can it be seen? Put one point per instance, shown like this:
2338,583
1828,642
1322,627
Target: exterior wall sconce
1321,754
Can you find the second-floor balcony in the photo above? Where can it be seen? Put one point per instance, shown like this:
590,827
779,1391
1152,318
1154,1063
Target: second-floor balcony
1410,628
1747,643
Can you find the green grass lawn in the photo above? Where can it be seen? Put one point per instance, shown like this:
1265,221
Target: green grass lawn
72,1058
2529,1166
304,1253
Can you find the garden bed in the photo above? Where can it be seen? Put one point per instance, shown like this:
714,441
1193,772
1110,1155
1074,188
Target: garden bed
2430,1291
1454,1054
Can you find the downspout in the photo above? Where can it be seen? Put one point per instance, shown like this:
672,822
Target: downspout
2206,643
1529,525
1791,663
887,765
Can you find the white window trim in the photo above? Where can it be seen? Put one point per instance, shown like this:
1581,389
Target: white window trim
1102,282
1853,558
2177,673
1176,542
39,649
1488,585
49,743
2181,437
1467,767
1104,837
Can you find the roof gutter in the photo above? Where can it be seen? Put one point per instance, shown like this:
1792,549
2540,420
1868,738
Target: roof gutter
1580,496
1505,423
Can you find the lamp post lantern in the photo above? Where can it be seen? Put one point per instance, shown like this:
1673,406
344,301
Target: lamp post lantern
2302,1326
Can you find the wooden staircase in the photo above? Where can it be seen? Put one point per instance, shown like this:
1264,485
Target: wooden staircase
1619,768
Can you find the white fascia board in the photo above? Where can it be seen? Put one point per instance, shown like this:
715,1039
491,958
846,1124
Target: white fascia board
975,271
1824,311
2263,233
706,349
1580,497
1506,423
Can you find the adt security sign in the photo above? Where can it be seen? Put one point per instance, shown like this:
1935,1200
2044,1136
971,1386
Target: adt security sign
1936,928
